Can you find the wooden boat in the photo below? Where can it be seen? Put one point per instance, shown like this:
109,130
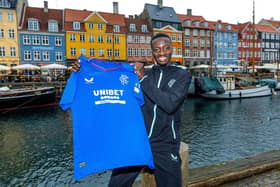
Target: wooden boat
23,98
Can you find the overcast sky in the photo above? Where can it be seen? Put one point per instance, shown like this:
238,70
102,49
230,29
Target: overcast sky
231,11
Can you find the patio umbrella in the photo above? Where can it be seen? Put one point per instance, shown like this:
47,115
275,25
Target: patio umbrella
54,66
26,67
4,68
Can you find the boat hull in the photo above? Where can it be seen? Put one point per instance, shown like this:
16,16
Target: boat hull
239,94
15,100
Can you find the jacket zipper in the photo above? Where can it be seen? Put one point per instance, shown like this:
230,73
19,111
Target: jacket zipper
173,130
155,107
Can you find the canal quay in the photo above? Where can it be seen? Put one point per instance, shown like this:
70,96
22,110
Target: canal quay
231,143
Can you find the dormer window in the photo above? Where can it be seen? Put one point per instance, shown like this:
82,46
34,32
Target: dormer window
218,26
228,27
116,28
76,25
52,26
205,24
144,28
132,28
196,23
33,24
188,22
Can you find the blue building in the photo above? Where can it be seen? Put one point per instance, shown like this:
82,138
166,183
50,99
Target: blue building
41,36
225,40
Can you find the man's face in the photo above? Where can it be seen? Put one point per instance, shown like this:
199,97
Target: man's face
162,50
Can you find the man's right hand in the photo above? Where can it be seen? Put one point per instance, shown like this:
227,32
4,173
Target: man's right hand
76,66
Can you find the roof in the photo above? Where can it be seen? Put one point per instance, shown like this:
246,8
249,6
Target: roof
184,17
166,14
10,4
138,23
212,25
43,17
266,28
75,15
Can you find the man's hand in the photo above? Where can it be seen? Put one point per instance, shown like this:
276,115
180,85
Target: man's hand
139,69
76,66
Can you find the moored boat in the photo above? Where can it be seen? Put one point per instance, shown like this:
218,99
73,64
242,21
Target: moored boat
23,98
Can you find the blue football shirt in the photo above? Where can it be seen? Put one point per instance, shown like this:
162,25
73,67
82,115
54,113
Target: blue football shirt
105,99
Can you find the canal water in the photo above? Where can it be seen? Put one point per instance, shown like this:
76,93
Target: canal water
36,145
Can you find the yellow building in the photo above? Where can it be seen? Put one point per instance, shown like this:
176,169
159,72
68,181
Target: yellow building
9,50
95,34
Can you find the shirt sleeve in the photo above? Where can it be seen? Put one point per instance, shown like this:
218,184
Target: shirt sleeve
69,92
137,91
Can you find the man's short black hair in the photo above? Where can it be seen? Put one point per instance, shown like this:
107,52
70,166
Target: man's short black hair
159,35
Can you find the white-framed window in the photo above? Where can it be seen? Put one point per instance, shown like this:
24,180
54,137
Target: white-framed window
58,56
100,26
10,17
91,52
174,51
82,38
136,52
148,39
144,28
36,55
136,39
179,37
187,53
1,33
13,51
109,39
179,51
52,26
187,32
195,32
149,52
45,40
116,28
36,40
58,41
195,53
117,52
173,38
109,52
201,53
142,39
129,52
2,51
129,39
91,38
100,52
202,43
187,43
73,51
26,40
72,37
132,27
33,24
143,52
82,51
90,25
27,55
100,39
202,32
11,33
46,55
76,25
117,39
195,43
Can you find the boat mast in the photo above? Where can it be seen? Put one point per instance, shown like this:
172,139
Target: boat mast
254,38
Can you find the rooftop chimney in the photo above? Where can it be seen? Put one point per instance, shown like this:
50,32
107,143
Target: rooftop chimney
115,7
46,9
159,2
189,12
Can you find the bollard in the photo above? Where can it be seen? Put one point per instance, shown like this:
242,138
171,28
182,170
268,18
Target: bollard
147,179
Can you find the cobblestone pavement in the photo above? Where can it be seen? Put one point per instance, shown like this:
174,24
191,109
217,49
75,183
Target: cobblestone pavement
266,179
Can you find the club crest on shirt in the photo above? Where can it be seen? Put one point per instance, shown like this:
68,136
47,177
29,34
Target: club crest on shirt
124,79
89,80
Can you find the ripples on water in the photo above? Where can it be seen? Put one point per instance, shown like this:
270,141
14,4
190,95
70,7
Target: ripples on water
36,146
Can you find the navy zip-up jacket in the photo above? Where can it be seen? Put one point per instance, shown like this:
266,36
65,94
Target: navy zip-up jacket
165,89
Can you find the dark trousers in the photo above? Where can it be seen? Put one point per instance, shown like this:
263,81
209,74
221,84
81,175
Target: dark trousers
167,171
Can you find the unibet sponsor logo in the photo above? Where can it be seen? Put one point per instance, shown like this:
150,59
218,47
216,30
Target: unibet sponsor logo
109,96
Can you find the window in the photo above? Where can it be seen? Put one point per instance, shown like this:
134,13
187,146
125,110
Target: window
136,39
100,52
11,33
91,38
76,25
33,24
187,53
72,37
201,53
26,40
132,28
129,39
149,52
1,16
36,55
109,52
2,51
100,26
179,51
142,39
1,33
82,51
195,43
10,17
202,32
187,43
13,51
52,26
117,52
202,43
36,40
109,39
188,22
144,28
91,25
136,52
129,52
179,37
100,39
58,41
158,24
195,32
173,37
27,55
117,40
73,51
187,32
116,28
143,52
148,39
91,52
82,38
45,40
46,56
58,56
